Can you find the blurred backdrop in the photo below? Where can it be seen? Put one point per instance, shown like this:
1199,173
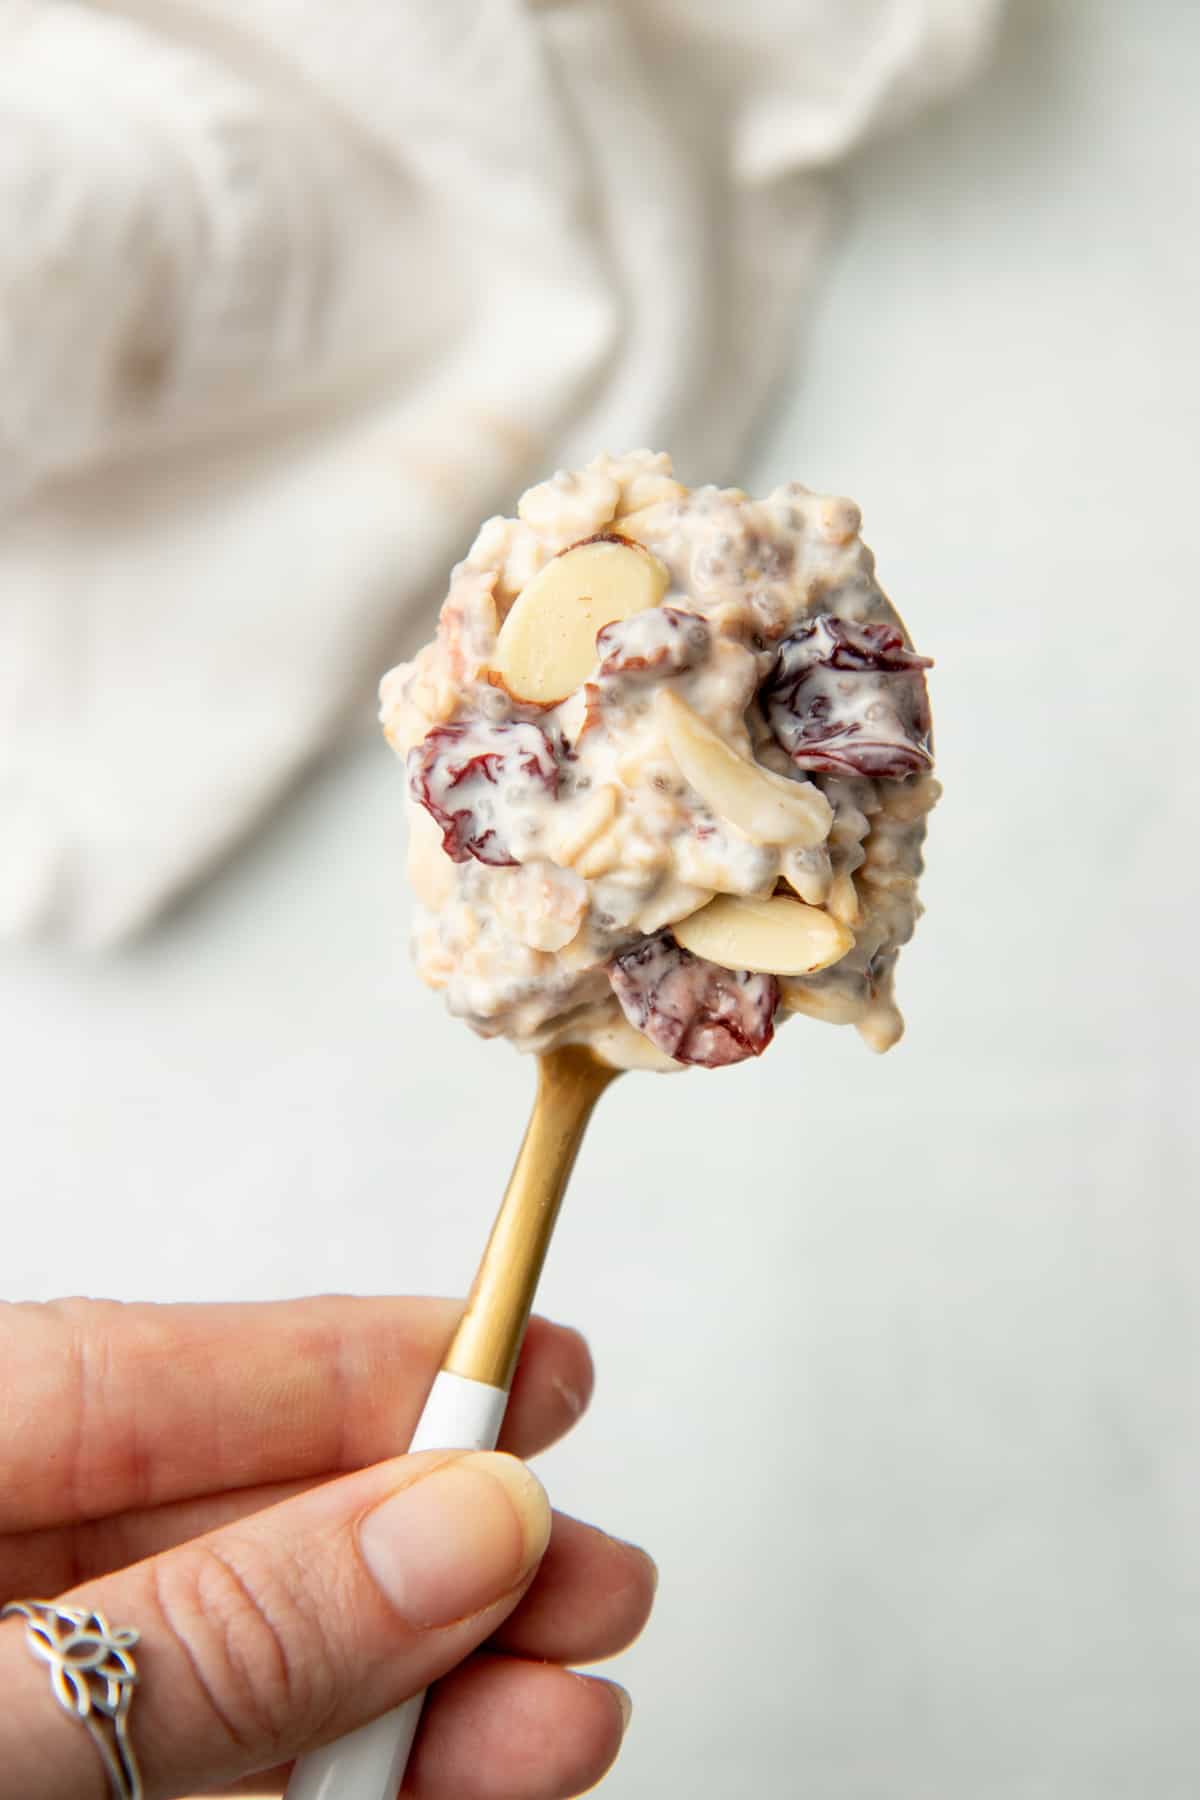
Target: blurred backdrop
897,1357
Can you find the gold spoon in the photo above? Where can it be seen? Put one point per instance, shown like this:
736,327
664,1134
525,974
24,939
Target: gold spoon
466,1404
488,1340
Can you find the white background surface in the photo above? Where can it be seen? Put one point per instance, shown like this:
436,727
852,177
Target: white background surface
897,1357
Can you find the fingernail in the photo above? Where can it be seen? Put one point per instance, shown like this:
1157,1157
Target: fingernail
623,1699
457,1539
571,1397
651,1565
643,1556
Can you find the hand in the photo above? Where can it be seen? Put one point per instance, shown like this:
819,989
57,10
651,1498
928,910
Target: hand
170,1466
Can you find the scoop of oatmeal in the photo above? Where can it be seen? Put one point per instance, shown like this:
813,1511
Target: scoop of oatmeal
668,766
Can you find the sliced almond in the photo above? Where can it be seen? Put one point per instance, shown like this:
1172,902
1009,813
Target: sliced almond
547,644
772,937
581,825
765,807
843,900
602,854
808,873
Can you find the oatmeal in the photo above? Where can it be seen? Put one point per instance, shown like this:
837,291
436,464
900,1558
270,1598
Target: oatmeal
668,765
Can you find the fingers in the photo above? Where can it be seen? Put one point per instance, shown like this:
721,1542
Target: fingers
62,1556
134,1406
293,1626
590,1599
502,1730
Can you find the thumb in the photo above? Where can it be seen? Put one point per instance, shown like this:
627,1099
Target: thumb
292,1627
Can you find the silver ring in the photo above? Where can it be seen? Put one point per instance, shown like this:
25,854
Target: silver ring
92,1675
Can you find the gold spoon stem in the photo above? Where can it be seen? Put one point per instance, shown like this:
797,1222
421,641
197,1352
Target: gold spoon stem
488,1340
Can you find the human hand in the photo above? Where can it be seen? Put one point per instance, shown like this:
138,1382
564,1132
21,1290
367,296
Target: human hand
170,1466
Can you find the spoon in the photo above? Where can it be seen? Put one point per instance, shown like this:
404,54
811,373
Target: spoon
466,1404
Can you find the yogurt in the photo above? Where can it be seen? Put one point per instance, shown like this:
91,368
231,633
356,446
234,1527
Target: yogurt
668,761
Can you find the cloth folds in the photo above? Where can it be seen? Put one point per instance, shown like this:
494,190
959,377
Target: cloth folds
291,296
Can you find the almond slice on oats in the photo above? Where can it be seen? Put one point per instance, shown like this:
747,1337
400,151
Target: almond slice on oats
547,643
767,808
770,937
843,901
581,825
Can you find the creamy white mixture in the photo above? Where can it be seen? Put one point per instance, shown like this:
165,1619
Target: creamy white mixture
668,760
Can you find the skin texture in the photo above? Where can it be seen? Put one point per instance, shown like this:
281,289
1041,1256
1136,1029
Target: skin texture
178,1466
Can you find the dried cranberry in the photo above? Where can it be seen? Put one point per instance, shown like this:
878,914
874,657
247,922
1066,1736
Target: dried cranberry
662,640
849,699
461,774
695,1010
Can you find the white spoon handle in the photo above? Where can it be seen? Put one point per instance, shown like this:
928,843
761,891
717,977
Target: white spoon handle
369,1764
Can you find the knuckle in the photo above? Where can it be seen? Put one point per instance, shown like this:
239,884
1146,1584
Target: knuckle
259,1655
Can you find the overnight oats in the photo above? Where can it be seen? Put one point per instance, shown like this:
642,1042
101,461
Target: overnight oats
668,765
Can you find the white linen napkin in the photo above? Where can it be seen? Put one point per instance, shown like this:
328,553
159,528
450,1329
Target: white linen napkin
292,295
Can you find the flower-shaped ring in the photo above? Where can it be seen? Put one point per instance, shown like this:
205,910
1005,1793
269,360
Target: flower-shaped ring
93,1675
